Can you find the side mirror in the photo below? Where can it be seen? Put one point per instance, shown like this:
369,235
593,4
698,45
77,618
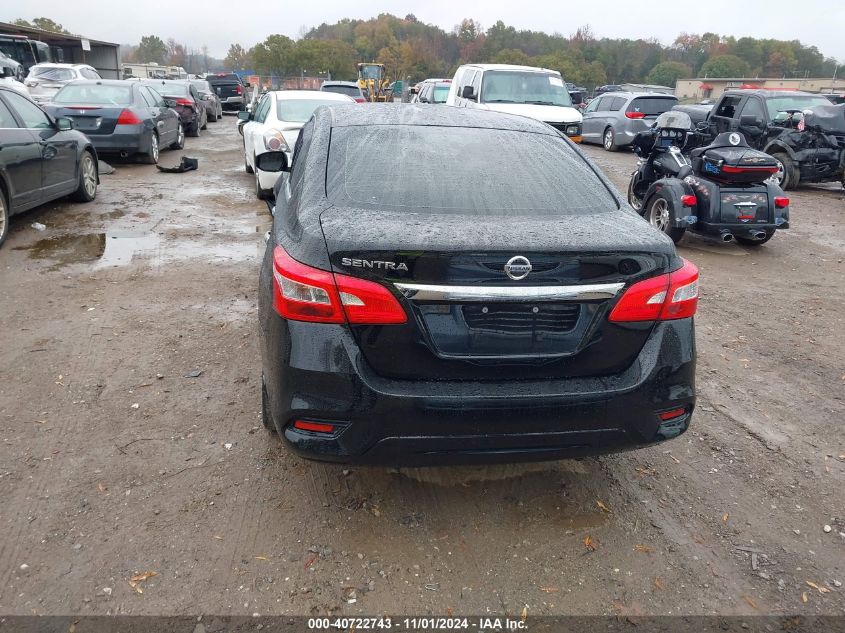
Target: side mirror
750,120
169,103
63,124
468,92
243,115
272,162
5,71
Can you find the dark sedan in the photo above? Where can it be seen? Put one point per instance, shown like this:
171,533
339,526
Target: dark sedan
42,159
213,106
120,117
183,98
469,305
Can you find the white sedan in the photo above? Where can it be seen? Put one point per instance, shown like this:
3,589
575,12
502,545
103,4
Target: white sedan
274,124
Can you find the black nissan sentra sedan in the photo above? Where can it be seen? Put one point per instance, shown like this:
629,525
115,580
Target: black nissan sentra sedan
444,285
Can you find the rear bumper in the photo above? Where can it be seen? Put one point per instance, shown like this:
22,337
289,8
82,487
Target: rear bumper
119,142
232,103
315,372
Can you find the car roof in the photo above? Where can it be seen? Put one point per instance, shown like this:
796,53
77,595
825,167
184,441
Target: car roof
340,83
535,69
104,82
311,94
770,93
57,65
625,93
416,115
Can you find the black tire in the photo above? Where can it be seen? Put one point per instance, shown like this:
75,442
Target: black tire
266,416
205,123
659,213
745,241
4,217
247,168
151,157
179,143
213,117
262,194
635,202
87,178
791,175
608,140
194,130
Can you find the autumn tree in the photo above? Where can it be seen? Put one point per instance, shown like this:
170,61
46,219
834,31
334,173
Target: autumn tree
668,73
237,58
45,24
151,50
725,66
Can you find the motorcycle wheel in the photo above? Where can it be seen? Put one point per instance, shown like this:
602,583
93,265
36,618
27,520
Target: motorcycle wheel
659,215
633,200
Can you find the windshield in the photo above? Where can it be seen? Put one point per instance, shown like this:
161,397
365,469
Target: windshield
201,85
674,119
371,72
53,74
541,177
300,110
794,102
93,94
168,90
440,94
516,86
350,91
652,106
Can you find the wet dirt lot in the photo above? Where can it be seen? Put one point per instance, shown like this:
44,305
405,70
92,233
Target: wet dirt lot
132,442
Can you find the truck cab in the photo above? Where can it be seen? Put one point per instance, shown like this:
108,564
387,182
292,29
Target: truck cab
772,122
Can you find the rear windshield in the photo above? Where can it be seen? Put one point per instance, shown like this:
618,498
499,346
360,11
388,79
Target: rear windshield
168,90
349,91
93,94
515,86
652,106
794,102
484,171
53,74
299,110
201,85
440,93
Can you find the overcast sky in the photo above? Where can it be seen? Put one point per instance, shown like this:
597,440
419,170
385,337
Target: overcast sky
218,23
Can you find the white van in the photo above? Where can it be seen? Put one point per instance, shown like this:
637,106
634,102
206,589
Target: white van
538,93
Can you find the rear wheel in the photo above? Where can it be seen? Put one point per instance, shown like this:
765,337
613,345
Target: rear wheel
87,189
633,200
247,167
151,157
194,129
4,218
787,175
263,194
205,123
660,213
213,117
745,241
609,140
179,143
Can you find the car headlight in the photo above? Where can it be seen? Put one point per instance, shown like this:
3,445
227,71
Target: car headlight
275,142
573,130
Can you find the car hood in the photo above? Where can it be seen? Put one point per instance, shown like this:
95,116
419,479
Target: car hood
548,114
829,119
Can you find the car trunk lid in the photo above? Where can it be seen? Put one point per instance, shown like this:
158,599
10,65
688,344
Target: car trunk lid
90,119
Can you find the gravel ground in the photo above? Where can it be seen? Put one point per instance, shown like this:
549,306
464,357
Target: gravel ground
132,442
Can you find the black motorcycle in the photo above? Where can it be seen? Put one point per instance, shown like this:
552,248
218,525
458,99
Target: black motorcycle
724,189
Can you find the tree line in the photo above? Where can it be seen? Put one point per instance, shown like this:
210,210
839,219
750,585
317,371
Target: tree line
410,48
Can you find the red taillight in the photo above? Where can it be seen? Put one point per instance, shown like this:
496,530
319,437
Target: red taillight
671,414
303,293
688,200
182,101
314,427
672,296
781,202
635,115
127,117
239,90
733,169
360,100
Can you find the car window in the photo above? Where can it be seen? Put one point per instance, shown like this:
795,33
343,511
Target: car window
727,108
439,93
262,109
616,104
522,86
89,74
53,74
300,110
469,75
149,97
300,151
592,106
542,176
652,106
753,107
349,91
32,116
603,104
794,102
6,119
194,93
476,82
94,94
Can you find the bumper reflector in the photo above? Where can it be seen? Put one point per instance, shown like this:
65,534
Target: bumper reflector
671,414
314,427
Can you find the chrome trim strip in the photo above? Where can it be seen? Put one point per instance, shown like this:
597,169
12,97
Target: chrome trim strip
424,292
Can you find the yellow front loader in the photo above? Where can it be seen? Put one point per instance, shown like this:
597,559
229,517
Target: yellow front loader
371,80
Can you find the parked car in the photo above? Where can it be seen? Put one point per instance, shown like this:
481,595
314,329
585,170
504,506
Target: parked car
790,126
9,73
431,91
607,88
538,93
44,158
125,118
615,118
348,88
274,125
209,98
229,89
45,80
438,307
184,99
835,98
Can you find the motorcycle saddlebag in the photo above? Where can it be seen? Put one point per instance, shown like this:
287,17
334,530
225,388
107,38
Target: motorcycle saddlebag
737,165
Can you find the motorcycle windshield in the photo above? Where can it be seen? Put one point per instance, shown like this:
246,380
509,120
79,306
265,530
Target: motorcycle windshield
674,119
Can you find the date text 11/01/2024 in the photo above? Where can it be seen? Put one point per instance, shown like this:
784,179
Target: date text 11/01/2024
418,624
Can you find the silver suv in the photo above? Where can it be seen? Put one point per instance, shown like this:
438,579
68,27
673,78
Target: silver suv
45,80
615,118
